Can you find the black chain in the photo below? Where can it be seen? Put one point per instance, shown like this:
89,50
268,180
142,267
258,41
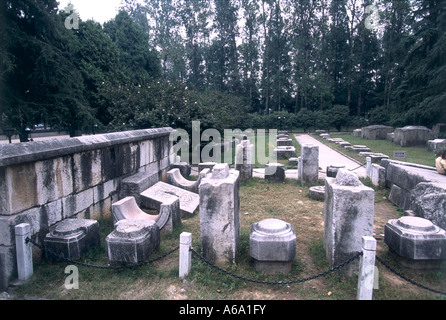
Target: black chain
100,267
406,278
27,240
362,165
280,282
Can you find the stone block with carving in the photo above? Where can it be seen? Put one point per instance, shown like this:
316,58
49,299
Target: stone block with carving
275,172
132,242
419,243
71,238
412,136
220,214
272,245
348,216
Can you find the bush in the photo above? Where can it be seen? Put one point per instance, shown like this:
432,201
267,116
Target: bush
306,118
380,115
339,116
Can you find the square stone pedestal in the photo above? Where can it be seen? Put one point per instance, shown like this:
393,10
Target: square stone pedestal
71,238
132,242
272,245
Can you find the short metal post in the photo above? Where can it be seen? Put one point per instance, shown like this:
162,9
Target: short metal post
185,254
23,251
367,269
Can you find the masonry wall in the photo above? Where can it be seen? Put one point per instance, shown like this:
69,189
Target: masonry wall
44,182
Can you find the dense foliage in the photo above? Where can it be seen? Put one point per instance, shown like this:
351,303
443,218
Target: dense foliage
227,63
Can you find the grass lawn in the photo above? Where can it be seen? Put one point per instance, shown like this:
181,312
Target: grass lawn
260,199
414,154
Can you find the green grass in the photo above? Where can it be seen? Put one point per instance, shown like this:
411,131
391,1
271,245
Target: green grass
259,199
414,154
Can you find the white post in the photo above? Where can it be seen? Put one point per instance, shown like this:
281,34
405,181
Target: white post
23,251
367,269
368,168
185,254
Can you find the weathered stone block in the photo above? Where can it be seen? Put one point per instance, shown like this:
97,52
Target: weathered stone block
4,279
317,193
71,238
169,215
421,243
244,160
272,245
293,161
132,242
153,197
428,200
206,165
184,167
325,135
344,144
275,172
439,128
175,178
411,136
390,137
76,203
359,148
127,208
284,142
87,169
436,145
54,179
19,188
376,132
220,215
309,165
378,176
348,216
332,170
134,185
284,152
400,197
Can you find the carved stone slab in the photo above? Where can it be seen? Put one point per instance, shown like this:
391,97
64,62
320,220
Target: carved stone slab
157,194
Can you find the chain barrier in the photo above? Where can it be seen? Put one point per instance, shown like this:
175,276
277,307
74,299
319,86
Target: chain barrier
362,165
28,240
407,279
280,282
99,267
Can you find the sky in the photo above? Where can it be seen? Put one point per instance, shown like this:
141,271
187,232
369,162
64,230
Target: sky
98,10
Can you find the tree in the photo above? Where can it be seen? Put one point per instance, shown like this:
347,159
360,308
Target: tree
97,59
309,70
276,68
397,27
338,49
250,53
339,116
43,85
194,15
422,90
364,61
225,46
138,61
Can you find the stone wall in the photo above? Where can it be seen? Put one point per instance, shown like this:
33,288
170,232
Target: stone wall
44,182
